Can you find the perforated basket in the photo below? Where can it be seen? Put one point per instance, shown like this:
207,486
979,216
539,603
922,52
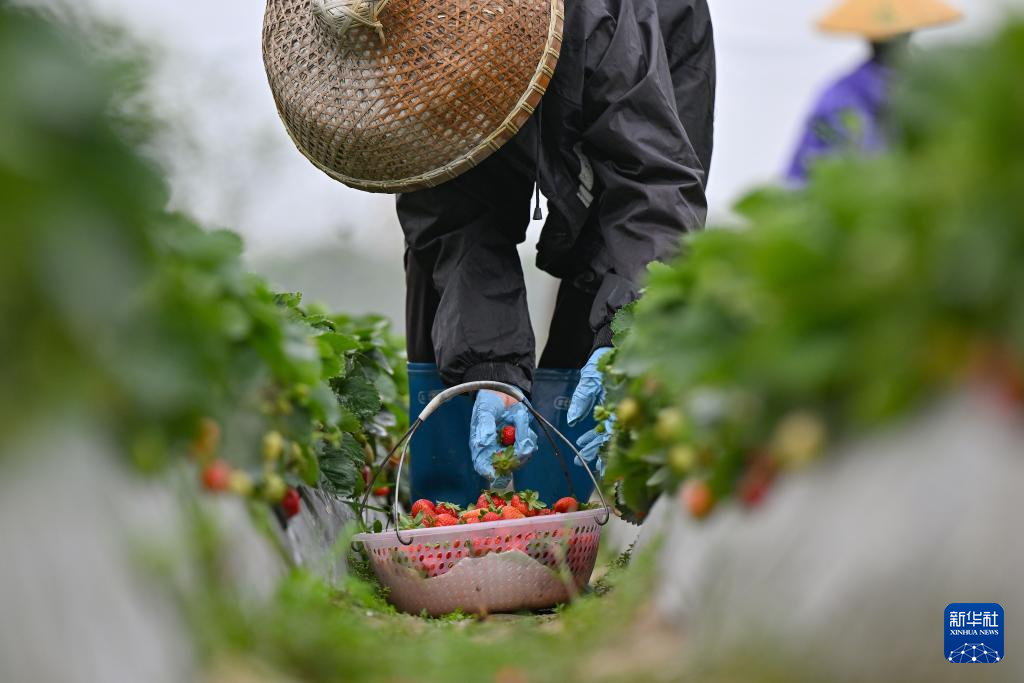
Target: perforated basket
504,566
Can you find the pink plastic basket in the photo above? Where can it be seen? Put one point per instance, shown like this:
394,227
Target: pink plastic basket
504,566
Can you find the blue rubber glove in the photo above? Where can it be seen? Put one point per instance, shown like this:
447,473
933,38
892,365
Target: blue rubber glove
491,412
588,395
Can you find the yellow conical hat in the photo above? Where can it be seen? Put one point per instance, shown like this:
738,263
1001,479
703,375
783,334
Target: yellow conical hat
880,19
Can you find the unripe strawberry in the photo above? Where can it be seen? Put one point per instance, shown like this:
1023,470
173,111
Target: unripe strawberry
669,426
241,483
207,439
681,459
274,488
273,444
628,411
799,439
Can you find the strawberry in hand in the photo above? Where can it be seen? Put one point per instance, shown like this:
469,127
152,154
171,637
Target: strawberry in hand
505,462
500,421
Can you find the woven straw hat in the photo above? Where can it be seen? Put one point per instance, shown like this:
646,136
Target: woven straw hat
881,19
399,95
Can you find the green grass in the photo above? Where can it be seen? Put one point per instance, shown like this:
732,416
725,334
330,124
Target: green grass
309,631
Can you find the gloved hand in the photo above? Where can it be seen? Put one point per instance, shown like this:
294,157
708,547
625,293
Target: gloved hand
491,412
589,393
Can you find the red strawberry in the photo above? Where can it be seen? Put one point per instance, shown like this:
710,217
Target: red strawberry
445,520
382,491
291,503
545,512
756,481
428,519
509,512
508,435
472,516
996,366
448,508
697,499
531,500
421,505
217,476
567,504
518,504
492,517
367,475
487,499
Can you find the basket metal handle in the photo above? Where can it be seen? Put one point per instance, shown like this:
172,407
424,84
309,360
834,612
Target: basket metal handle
469,387
502,388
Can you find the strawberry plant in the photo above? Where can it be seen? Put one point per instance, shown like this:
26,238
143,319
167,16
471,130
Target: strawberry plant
118,314
837,308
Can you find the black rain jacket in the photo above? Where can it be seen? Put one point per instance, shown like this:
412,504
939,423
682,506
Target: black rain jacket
625,144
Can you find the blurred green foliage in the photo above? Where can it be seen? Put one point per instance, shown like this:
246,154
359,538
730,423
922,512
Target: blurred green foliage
116,312
841,306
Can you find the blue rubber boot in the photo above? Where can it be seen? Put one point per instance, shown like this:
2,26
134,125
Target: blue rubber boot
545,473
440,466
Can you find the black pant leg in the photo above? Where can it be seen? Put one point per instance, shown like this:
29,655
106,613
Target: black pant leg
571,338
421,302
466,305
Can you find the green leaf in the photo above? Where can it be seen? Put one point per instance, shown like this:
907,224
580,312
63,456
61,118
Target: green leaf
341,466
660,478
309,469
359,395
324,404
340,343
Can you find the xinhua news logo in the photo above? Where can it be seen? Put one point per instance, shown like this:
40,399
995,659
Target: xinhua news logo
974,633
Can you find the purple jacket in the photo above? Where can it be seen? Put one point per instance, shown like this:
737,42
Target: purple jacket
847,118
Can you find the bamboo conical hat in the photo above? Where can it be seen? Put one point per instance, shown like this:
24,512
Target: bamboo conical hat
881,19
399,95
